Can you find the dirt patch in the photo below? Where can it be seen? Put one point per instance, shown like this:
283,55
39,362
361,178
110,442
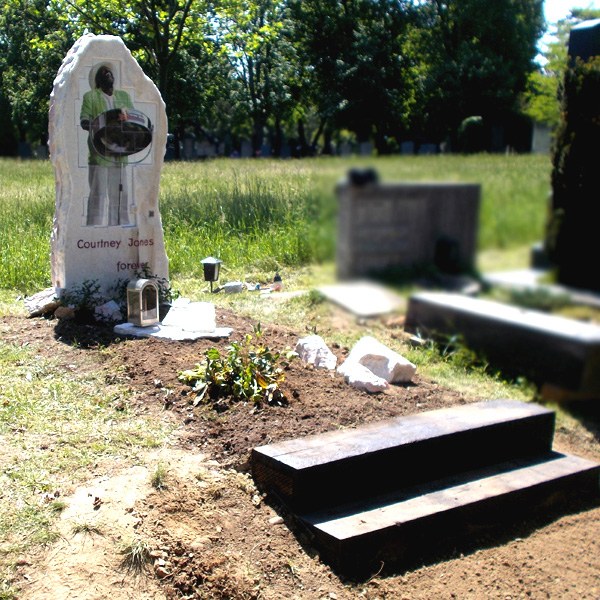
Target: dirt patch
212,534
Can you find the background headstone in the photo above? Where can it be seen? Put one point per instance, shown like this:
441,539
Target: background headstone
394,226
96,242
572,234
584,40
246,151
407,148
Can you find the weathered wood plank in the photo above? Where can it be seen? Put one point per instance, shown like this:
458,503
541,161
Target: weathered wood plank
396,527
326,468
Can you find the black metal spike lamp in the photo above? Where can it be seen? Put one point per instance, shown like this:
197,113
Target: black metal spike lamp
211,268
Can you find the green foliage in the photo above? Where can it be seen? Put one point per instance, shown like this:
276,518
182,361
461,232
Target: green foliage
158,480
354,83
136,555
166,293
246,372
572,228
35,38
315,298
453,351
84,298
256,40
541,98
267,215
540,299
287,69
478,55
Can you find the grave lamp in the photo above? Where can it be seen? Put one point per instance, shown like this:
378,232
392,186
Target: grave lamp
211,269
142,302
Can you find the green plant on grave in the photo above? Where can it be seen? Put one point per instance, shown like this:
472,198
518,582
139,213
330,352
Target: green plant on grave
452,350
455,351
158,480
135,555
247,371
166,293
84,299
540,299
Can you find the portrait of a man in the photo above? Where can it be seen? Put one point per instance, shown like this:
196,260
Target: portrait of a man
103,106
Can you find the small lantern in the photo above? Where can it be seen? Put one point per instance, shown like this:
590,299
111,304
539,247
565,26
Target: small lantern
211,269
142,302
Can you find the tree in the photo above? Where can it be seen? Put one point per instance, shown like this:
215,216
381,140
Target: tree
255,38
478,55
36,35
33,43
540,99
360,72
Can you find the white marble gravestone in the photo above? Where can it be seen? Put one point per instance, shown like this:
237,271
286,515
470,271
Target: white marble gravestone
107,150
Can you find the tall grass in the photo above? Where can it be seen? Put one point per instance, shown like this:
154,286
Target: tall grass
266,214
26,210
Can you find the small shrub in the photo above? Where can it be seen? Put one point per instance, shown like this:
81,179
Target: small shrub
159,478
452,350
247,371
315,298
84,299
136,555
166,293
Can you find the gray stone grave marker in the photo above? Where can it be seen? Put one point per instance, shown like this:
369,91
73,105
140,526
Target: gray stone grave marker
108,132
384,226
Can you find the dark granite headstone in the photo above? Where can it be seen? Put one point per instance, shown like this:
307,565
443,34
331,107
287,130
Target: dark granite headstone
584,40
572,234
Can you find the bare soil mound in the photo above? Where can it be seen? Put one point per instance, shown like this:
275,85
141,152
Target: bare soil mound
212,533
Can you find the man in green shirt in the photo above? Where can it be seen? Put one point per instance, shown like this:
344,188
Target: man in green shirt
108,201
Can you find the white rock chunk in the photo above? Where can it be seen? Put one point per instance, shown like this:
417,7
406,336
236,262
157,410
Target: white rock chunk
361,378
191,316
313,349
110,311
41,303
382,361
233,287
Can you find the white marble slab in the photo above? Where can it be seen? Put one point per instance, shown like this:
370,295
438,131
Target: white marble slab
363,298
170,333
115,232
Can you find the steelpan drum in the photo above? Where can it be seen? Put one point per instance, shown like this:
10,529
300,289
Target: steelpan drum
117,133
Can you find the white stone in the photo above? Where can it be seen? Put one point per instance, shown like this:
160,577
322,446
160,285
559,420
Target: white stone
382,361
41,303
361,378
117,244
110,311
191,317
363,298
170,333
313,349
234,287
